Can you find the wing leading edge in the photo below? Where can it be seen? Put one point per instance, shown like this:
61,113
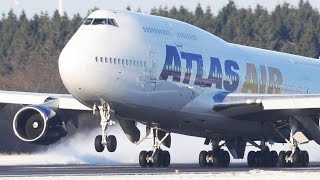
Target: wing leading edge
66,101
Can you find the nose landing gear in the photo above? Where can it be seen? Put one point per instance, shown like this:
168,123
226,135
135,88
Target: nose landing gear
102,141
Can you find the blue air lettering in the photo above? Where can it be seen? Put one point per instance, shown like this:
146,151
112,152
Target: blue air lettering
172,67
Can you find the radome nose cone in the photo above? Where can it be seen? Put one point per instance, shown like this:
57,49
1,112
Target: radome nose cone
71,68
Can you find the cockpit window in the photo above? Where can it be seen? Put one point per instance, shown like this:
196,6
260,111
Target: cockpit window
87,21
112,22
100,21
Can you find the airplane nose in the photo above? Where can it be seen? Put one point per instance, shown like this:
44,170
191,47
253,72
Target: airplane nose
71,68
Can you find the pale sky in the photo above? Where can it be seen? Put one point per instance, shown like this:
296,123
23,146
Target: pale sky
76,6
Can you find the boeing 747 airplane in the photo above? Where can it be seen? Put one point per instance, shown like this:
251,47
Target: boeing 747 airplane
173,77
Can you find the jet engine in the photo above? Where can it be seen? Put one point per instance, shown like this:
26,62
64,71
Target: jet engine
38,124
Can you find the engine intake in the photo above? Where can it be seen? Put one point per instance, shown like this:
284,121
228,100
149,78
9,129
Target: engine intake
38,124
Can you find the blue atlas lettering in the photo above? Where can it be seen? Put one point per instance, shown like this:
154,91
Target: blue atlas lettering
172,67
189,57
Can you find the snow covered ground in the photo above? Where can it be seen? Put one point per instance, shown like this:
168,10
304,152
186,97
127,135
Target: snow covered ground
79,149
251,175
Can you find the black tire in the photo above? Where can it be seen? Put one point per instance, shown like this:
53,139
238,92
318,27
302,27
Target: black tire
218,158
251,159
266,158
305,158
282,159
211,163
97,144
297,159
150,163
274,158
258,159
226,159
157,158
143,159
166,159
111,143
203,159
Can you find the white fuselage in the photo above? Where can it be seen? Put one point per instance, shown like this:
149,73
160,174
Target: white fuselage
159,71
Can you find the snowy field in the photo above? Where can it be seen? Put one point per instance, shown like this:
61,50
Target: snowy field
251,175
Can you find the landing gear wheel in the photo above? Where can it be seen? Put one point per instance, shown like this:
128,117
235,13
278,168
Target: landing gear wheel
111,143
97,144
165,159
274,159
258,159
143,158
213,159
157,158
266,158
282,159
305,158
297,159
251,159
226,159
203,159
217,158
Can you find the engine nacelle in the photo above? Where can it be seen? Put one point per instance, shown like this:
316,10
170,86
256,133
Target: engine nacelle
38,124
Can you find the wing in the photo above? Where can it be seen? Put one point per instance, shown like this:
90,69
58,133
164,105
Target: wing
267,107
275,109
65,101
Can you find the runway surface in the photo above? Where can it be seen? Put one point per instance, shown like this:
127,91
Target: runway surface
134,169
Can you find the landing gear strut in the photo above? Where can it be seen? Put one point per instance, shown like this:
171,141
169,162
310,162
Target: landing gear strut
215,158
157,157
103,140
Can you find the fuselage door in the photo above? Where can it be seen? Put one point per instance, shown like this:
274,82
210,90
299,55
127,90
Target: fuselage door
153,66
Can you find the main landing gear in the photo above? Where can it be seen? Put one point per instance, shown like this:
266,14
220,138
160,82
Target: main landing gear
295,157
157,157
262,158
267,158
215,158
102,141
